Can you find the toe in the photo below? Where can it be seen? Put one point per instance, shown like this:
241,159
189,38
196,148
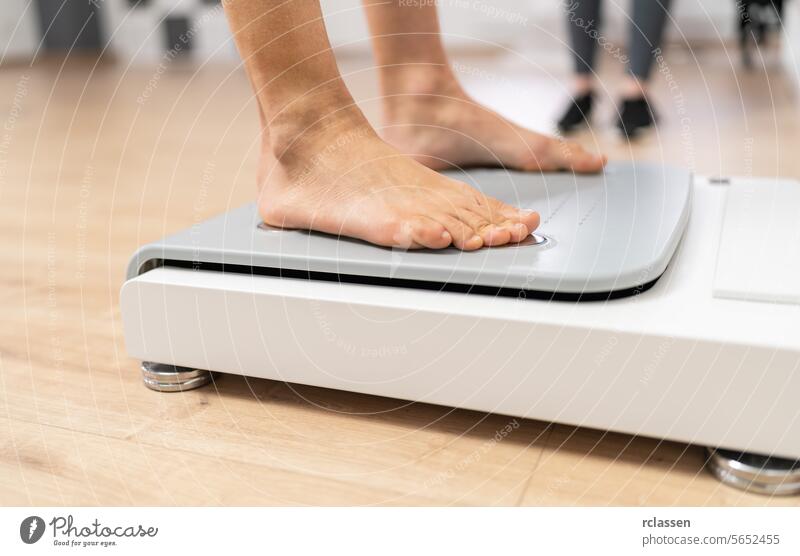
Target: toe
584,162
506,223
520,222
464,237
517,230
423,231
509,219
486,226
571,156
530,218
549,153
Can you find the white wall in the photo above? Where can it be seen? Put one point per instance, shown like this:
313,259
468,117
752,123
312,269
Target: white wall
18,29
511,22
465,23
137,34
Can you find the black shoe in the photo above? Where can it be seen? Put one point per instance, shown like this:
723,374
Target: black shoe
634,116
577,113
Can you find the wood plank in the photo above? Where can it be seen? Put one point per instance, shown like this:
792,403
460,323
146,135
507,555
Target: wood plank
49,466
585,467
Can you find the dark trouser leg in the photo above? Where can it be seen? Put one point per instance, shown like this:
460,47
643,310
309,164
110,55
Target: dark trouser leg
583,20
647,29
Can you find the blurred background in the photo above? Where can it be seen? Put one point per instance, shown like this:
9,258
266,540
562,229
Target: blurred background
513,48
142,31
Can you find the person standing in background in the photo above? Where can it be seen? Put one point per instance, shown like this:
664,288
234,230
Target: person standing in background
647,22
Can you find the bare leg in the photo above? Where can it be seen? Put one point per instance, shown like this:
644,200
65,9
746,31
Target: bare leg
430,117
582,84
322,166
633,87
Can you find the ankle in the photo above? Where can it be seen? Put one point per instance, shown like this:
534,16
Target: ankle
406,88
583,85
634,89
297,135
417,78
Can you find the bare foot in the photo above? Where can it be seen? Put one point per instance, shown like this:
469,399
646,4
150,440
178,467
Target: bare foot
437,123
337,176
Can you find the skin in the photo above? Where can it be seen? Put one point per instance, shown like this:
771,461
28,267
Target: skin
322,166
632,87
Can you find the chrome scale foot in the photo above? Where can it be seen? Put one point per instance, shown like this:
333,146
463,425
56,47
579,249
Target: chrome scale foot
170,378
755,472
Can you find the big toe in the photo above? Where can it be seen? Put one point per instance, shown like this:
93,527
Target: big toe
588,163
556,154
572,156
422,232
530,219
522,220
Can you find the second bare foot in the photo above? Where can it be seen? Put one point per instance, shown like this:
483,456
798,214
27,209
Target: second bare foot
433,120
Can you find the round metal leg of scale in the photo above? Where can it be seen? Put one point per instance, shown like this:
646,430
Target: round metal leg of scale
171,378
755,472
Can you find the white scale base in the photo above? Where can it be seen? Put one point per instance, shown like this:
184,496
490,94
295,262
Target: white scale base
710,355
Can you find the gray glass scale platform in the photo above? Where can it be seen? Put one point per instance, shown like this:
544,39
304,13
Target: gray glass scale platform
601,235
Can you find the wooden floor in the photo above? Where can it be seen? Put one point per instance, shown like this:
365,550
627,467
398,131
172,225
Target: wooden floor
88,173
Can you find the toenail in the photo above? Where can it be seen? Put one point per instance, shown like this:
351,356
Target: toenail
446,235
